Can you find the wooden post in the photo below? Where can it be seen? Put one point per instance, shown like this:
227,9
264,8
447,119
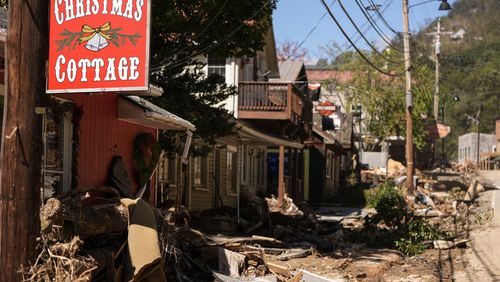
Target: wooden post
409,100
281,175
26,53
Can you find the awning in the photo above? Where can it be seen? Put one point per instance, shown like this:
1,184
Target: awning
327,137
252,136
137,110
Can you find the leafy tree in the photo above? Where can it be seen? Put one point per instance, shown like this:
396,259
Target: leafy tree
185,30
322,62
382,97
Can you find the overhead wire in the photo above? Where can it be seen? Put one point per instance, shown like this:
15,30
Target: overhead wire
365,30
212,20
364,37
179,62
354,46
312,30
382,18
376,27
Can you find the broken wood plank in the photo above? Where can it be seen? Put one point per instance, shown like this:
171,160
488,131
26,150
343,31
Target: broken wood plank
293,254
257,237
279,269
297,277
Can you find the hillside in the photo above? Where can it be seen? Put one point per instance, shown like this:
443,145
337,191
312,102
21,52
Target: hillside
470,66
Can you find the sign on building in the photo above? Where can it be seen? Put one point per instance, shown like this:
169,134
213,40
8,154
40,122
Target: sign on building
98,46
326,108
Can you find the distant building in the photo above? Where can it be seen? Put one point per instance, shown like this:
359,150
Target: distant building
467,146
497,122
459,35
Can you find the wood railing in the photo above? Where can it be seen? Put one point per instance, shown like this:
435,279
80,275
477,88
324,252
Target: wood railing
261,97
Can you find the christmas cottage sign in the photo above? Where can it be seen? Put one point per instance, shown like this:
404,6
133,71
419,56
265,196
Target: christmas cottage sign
98,46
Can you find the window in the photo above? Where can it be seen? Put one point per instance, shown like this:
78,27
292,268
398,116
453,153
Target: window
261,167
57,157
329,164
200,172
216,66
168,171
231,171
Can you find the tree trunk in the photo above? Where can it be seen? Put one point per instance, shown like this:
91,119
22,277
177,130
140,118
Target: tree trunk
26,53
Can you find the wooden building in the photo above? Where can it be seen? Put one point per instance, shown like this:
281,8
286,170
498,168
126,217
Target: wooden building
84,133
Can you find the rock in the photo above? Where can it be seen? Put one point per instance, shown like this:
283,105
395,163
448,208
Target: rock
461,243
428,213
443,244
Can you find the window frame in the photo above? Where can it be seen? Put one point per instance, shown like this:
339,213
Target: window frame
203,163
231,176
216,66
65,171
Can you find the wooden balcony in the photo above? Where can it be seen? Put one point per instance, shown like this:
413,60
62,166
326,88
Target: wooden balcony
273,101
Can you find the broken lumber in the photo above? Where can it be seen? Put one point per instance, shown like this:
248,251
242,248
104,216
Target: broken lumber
84,221
293,254
278,269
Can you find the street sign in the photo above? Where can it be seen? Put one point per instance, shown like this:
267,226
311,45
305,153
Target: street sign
98,46
326,108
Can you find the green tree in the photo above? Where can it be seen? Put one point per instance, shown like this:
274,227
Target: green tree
182,32
382,96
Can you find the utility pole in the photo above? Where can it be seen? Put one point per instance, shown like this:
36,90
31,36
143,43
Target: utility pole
437,52
26,53
409,100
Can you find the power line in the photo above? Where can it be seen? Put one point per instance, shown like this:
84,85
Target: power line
201,32
384,20
376,27
353,45
314,28
179,62
358,37
362,35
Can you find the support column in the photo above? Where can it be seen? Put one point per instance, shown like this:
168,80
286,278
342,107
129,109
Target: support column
281,175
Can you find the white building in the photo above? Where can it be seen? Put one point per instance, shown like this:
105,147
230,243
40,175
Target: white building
467,146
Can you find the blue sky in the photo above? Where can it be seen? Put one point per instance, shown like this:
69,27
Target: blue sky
293,20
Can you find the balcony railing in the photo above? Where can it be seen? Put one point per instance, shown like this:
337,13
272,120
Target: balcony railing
272,101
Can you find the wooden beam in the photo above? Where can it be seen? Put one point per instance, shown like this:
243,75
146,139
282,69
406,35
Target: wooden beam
278,115
281,176
26,51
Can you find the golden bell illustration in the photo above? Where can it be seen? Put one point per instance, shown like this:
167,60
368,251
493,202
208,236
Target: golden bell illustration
97,38
96,43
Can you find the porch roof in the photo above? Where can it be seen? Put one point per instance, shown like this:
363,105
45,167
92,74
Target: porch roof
255,137
327,137
137,110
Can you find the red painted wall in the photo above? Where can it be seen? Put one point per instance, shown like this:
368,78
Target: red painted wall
102,136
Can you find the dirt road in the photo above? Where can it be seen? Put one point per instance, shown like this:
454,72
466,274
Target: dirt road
483,258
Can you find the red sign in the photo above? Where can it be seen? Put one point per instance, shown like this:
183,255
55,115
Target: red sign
98,46
326,108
